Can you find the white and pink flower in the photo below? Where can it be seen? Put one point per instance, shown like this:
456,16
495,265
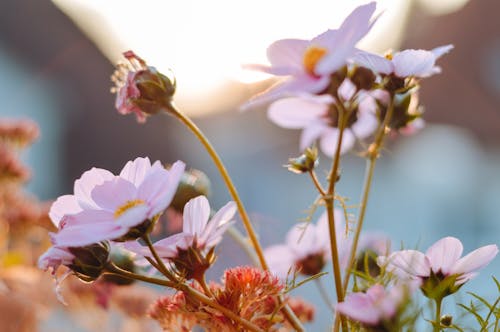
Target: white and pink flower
307,248
106,206
377,306
307,64
317,116
407,63
441,260
198,230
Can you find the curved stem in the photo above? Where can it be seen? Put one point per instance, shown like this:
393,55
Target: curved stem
162,268
227,179
206,289
291,317
316,182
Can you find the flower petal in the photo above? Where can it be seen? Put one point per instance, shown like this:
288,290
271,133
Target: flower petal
374,62
295,113
280,260
475,260
444,254
87,182
135,171
86,234
312,132
64,205
417,63
441,50
287,52
113,194
196,213
329,141
411,262
133,216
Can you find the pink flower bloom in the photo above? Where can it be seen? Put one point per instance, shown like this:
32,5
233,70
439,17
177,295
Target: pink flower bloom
415,63
106,206
55,257
309,63
375,306
307,248
314,115
441,260
197,230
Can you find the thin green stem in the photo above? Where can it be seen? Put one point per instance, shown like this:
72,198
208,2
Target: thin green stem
206,289
318,185
373,154
162,268
329,202
113,269
227,179
437,323
291,317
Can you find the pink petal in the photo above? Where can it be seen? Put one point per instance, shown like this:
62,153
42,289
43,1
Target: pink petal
113,194
329,141
359,307
366,125
133,216
160,185
167,247
417,63
347,89
374,62
301,240
135,171
412,262
287,52
475,260
441,50
212,234
64,205
312,132
295,113
444,254
280,260
87,182
196,213
86,217
86,234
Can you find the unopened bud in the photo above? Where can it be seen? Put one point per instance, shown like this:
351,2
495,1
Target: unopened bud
192,263
125,261
304,163
446,320
89,261
193,183
363,78
140,88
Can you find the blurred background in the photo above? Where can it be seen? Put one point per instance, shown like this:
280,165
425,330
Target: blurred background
56,59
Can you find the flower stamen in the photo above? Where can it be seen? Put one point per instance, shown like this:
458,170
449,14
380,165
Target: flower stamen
311,57
128,205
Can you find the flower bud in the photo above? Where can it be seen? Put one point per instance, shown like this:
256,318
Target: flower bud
437,286
140,88
192,263
363,78
446,320
124,260
311,265
193,183
304,163
89,261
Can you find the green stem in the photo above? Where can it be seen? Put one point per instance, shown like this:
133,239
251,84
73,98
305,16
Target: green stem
373,154
437,323
316,183
162,268
329,202
291,317
113,269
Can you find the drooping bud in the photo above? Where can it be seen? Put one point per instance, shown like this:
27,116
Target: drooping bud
193,183
140,88
89,261
192,263
304,163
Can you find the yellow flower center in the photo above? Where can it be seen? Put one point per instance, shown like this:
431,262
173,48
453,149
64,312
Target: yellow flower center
311,57
389,56
128,205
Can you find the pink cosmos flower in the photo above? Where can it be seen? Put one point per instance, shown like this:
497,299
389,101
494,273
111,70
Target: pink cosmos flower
441,260
314,115
415,63
106,206
197,230
55,257
307,248
309,63
375,306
